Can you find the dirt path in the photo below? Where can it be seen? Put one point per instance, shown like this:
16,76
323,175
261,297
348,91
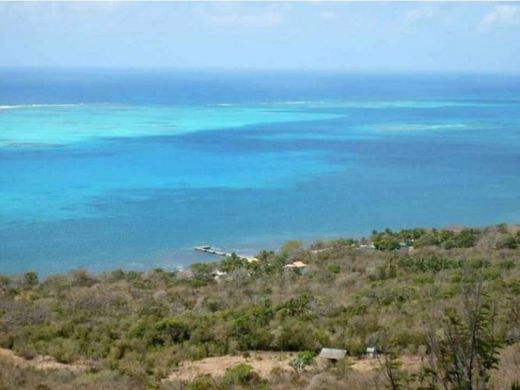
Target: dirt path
265,362
39,362
262,362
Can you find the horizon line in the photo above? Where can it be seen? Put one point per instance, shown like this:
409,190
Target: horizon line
261,70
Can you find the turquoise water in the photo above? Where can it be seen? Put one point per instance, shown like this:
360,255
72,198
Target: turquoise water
101,170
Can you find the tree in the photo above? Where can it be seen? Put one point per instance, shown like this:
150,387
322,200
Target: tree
390,366
386,242
232,263
465,350
30,279
178,330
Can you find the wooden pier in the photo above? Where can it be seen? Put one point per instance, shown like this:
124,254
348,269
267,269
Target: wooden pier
211,250
216,251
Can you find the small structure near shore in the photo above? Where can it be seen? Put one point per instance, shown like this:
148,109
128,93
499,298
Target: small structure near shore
332,355
211,250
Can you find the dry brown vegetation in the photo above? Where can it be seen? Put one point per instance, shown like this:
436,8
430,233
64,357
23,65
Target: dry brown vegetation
135,329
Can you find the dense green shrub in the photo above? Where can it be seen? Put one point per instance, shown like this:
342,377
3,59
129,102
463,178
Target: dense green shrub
241,374
176,329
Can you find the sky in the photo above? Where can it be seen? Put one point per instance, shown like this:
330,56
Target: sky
329,36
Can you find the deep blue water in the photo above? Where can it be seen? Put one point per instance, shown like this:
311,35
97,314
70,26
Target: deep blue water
102,169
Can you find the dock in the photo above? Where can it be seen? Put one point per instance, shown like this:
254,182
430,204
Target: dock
219,252
211,250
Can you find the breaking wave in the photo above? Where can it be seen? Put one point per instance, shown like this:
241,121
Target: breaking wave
20,106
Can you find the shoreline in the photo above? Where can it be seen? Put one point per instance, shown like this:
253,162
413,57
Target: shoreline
245,250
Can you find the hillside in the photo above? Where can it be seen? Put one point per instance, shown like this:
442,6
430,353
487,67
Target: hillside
409,294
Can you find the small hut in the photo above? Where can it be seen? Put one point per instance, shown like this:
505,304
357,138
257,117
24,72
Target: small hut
218,274
297,265
332,354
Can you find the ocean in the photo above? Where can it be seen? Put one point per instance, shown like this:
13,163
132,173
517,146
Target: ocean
104,169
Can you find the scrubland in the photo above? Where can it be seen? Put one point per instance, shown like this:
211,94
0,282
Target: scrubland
447,300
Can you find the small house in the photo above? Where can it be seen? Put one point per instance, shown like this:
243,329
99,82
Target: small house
332,354
297,265
218,274
249,259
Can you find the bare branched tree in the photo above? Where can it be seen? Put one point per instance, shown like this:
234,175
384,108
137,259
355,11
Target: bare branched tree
390,367
463,347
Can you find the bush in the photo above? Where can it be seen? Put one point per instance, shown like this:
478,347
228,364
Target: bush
202,382
302,360
241,374
232,263
426,240
300,336
509,242
30,279
177,329
249,327
386,242
291,246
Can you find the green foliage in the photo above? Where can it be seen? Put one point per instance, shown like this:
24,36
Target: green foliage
299,306
202,382
302,360
201,274
241,374
510,242
297,336
424,264
30,279
428,239
386,242
232,263
176,329
449,239
250,328
464,239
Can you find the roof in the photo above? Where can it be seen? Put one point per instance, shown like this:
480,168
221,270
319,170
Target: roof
250,259
218,273
296,264
331,353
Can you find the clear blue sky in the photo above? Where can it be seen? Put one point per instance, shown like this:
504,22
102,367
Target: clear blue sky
419,37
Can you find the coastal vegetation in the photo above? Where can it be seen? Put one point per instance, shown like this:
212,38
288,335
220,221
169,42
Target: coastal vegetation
447,299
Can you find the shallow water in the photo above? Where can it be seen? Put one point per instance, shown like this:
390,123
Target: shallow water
101,170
